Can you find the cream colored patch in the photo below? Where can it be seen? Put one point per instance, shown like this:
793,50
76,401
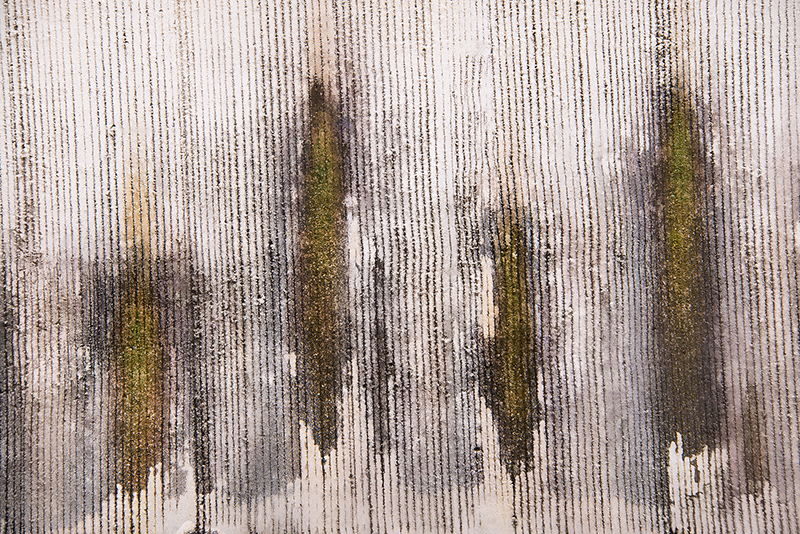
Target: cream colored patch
488,306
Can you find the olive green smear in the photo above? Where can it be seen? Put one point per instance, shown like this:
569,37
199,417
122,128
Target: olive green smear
511,377
139,382
137,352
322,270
687,372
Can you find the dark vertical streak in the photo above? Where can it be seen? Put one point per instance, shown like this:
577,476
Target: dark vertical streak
97,308
321,271
13,439
756,468
510,375
199,420
21,261
383,367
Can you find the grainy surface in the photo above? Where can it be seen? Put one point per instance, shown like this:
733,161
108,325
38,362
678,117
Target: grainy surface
397,267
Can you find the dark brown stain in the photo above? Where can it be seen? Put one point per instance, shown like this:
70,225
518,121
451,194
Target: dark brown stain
321,271
687,371
510,379
199,391
198,382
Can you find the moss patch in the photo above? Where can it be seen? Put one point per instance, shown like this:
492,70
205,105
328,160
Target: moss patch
511,386
139,383
687,373
322,270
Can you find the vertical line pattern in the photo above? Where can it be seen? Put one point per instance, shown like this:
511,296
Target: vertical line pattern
155,266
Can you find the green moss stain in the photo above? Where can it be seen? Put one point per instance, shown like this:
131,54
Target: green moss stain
687,374
138,358
139,365
511,366
322,270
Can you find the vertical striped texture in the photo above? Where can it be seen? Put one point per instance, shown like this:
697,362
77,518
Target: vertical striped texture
492,347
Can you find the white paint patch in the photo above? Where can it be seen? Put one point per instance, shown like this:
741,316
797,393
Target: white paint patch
694,485
291,360
488,307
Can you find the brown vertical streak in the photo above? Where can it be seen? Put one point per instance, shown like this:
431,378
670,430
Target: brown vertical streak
756,469
139,370
383,367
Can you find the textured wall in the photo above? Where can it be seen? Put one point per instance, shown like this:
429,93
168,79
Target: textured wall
399,267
